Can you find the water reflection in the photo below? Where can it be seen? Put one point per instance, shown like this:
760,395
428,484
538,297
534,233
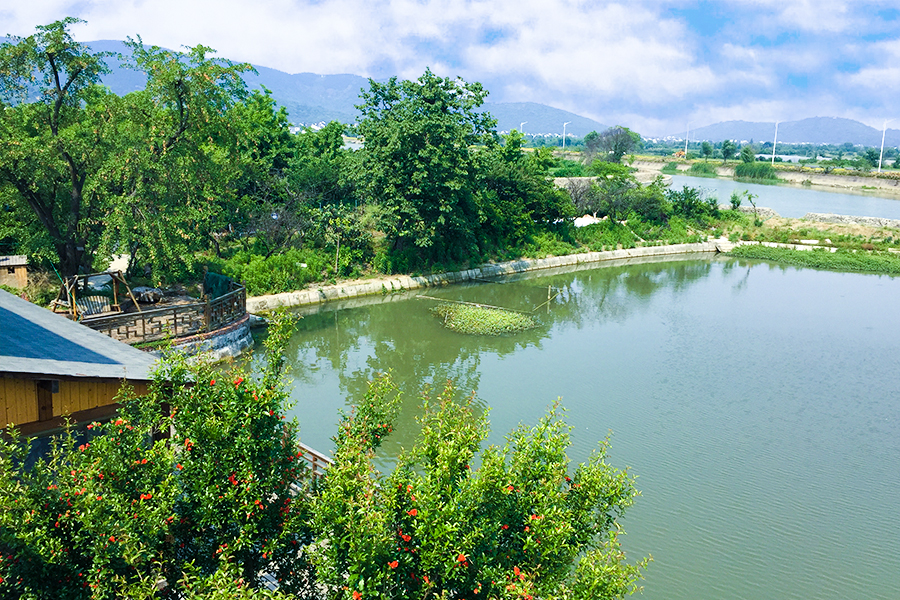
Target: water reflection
753,400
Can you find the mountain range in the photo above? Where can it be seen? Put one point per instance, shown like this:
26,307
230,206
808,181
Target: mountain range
815,130
312,99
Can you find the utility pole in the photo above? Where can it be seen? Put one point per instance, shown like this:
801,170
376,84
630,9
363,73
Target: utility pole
687,136
881,156
774,143
564,135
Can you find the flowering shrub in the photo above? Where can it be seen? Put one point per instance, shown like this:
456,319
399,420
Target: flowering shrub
519,526
118,510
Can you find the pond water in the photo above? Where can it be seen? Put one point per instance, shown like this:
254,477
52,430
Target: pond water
758,405
795,202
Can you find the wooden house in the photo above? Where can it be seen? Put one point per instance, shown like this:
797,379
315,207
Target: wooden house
14,271
51,367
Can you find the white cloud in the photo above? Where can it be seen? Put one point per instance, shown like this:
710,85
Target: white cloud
607,60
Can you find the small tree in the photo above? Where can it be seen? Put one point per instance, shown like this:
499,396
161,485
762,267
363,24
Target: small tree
706,150
748,155
522,524
728,150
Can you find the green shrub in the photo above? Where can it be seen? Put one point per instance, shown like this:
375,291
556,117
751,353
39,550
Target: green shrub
671,168
544,243
280,272
606,235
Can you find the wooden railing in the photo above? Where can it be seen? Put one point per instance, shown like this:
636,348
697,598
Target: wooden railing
173,322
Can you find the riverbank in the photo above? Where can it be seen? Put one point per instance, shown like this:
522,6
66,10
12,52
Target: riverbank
400,283
863,183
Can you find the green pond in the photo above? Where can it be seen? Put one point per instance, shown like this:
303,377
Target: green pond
758,405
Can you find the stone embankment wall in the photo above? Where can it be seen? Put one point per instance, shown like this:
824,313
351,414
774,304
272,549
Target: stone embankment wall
849,220
405,282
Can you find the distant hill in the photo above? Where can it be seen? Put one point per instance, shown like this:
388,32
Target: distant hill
815,130
310,98
540,119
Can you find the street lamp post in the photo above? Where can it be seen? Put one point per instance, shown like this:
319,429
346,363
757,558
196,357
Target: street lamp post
881,156
522,127
774,143
687,136
564,135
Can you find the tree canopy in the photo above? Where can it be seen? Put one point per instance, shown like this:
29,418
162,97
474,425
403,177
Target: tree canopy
418,163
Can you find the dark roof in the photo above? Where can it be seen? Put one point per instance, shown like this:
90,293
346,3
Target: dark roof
36,341
16,260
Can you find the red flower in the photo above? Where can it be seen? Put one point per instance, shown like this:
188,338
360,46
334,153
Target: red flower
112,538
412,512
213,382
461,558
238,381
178,466
509,488
356,595
393,564
406,538
146,496
504,527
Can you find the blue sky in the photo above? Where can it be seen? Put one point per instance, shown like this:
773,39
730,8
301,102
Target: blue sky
655,66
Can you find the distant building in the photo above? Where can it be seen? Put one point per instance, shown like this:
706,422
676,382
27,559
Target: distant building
51,367
14,271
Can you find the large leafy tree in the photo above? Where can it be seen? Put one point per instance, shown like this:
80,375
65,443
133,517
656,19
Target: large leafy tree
52,137
418,161
616,142
147,172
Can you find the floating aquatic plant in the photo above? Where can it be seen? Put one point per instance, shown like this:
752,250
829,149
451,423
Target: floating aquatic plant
482,320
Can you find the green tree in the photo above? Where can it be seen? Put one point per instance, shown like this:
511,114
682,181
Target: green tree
418,162
748,155
104,174
514,193
174,182
728,150
52,137
591,146
706,150
618,141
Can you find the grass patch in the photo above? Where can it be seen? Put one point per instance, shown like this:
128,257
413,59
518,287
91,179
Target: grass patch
703,169
481,320
671,168
886,263
756,172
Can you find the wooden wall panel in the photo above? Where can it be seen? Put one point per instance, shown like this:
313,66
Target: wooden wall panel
19,397
19,401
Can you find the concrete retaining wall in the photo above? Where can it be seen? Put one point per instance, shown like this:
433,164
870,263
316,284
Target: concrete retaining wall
406,282
221,344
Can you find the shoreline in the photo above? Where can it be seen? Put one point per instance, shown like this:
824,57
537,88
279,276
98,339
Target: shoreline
866,185
401,283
